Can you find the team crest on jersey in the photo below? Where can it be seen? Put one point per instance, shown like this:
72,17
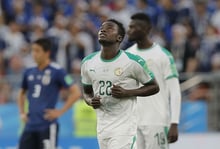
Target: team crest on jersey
118,71
46,77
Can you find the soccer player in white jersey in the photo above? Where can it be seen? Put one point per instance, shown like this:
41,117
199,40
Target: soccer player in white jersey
110,79
158,126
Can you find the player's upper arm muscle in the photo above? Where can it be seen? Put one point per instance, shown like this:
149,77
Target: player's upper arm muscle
22,91
75,90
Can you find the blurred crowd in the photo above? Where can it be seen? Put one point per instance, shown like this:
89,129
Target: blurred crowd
190,29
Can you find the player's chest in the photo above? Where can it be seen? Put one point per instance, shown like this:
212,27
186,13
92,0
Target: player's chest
44,78
152,59
104,72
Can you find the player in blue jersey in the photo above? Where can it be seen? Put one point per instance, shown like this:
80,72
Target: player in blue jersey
40,86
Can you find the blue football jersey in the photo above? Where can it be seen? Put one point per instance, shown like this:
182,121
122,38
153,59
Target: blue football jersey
43,88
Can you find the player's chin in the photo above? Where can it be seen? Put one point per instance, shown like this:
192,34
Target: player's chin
37,61
130,39
102,40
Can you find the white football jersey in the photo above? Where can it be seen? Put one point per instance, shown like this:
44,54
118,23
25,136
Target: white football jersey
156,107
115,116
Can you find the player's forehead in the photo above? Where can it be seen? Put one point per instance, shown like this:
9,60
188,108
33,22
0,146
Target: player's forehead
109,24
36,47
138,22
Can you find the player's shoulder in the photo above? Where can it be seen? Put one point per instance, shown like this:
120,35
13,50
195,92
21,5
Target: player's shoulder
165,50
135,58
89,57
166,54
30,68
56,66
161,49
161,52
132,48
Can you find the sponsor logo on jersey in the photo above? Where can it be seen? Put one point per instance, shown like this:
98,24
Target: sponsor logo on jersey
118,71
92,70
30,77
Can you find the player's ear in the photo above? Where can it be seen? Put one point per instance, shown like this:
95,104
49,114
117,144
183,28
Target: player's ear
119,38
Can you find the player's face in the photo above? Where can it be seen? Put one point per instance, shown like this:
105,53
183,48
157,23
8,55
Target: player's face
136,30
38,54
108,33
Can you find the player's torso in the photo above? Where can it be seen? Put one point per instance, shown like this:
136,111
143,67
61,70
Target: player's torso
113,111
41,84
155,59
155,105
42,94
105,73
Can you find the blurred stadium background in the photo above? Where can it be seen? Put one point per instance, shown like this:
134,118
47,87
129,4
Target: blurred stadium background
190,29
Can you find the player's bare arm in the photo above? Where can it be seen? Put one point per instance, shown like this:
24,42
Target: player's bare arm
89,97
173,133
21,105
74,94
146,90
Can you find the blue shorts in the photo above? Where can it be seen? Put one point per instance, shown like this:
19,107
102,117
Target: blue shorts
44,139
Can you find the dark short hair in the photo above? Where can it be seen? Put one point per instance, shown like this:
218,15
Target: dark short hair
121,29
144,1
45,43
141,16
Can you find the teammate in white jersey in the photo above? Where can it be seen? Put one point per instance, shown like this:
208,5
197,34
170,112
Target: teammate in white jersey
110,79
158,126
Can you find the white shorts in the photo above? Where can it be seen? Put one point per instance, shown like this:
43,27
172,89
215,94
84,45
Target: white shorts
152,137
118,142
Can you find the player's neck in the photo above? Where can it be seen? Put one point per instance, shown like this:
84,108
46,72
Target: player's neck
144,44
44,64
109,52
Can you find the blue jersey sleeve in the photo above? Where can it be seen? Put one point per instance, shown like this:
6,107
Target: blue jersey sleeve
24,83
64,79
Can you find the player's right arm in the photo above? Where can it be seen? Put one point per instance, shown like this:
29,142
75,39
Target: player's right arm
173,87
147,89
88,93
22,97
21,104
141,73
89,97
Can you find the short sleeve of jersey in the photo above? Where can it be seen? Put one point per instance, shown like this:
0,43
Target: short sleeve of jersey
24,84
169,66
140,69
85,79
64,79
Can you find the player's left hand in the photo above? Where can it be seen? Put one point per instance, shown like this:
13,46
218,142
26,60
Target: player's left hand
51,114
118,92
173,133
